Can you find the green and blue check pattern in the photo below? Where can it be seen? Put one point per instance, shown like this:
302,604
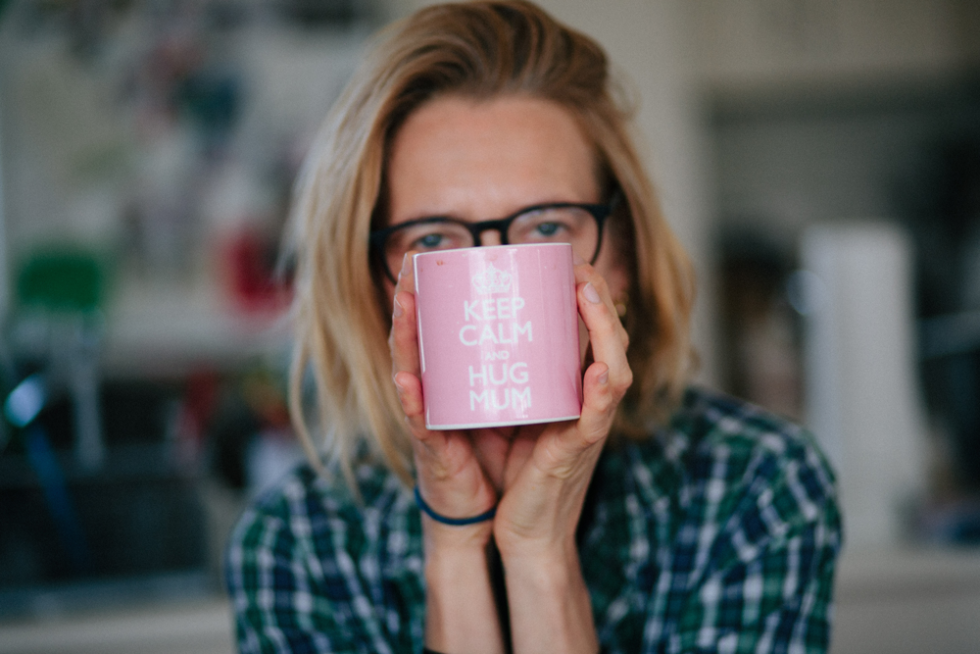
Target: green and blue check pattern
719,534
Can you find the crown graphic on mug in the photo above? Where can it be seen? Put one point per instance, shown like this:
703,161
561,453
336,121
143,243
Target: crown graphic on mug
492,281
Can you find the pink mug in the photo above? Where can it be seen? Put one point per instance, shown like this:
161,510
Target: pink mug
498,336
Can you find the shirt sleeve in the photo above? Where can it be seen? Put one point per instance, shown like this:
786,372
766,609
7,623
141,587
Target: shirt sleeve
765,583
309,570
275,608
777,602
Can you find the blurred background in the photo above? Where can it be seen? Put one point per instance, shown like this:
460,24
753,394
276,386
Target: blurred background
819,158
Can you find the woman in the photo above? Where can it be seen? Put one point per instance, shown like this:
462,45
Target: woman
664,519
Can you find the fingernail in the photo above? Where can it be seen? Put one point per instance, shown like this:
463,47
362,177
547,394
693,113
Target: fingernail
394,378
577,260
604,378
405,262
591,294
397,311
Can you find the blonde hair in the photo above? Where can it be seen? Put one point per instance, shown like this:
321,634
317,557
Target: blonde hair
479,50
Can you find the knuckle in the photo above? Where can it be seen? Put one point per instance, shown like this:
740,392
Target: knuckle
604,402
597,434
624,337
595,430
624,381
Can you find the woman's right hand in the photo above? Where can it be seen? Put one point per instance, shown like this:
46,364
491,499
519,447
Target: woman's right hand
449,473
460,608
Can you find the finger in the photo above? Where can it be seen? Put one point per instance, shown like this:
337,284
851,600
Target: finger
607,338
439,455
409,389
608,375
585,273
431,446
403,339
569,441
403,344
406,275
599,407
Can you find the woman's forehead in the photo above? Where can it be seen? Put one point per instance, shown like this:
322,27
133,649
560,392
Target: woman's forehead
485,158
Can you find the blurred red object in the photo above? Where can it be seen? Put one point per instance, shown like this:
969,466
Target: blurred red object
255,282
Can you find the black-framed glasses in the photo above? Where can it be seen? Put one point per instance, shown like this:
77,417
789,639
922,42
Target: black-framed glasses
576,223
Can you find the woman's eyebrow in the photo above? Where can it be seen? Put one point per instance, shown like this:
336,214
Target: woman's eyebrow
516,212
432,217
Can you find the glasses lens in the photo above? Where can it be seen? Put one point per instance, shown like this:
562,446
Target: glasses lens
558,225
424,237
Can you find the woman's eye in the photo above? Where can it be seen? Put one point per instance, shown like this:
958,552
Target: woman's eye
548,229
429,241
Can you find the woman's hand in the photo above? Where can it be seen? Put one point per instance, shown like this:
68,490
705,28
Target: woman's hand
449,474
549,467
461,613
546,477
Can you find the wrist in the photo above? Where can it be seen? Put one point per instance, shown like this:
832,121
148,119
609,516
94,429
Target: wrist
461,613
441,540
547,570
424,507
445,564
535,552
549,602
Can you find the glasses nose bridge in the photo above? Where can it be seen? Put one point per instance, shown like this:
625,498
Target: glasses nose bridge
500,226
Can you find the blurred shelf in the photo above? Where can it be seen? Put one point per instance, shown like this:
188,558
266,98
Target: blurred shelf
43,603
202,626
174,328
759,44
138,462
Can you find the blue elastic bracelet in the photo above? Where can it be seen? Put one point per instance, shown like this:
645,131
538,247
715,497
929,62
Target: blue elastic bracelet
455,522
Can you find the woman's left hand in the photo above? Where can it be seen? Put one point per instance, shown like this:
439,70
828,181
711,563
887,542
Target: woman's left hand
549,467
545,478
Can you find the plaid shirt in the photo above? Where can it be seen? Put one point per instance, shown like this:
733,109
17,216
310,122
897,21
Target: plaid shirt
718,534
